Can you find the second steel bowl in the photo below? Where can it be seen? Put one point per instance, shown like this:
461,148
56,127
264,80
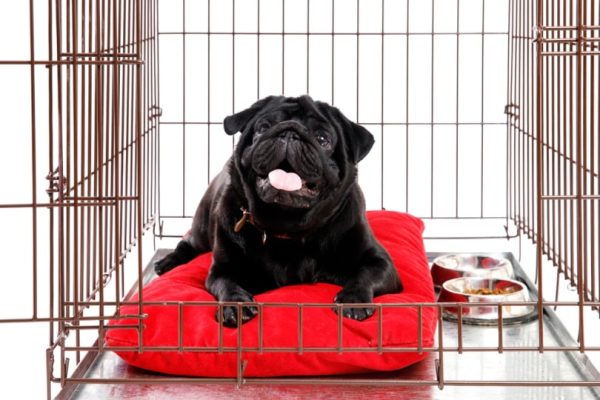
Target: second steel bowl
452,266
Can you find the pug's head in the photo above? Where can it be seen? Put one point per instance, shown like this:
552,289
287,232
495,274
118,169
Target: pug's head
296,159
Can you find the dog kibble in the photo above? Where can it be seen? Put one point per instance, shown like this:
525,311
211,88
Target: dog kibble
486,291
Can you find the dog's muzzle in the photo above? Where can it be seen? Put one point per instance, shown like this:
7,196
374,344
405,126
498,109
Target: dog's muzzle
289,165
288,146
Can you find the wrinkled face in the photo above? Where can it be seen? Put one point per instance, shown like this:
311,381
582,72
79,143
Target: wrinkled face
294,152
291,157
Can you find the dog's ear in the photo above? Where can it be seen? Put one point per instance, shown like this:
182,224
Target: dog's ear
360,141
237,122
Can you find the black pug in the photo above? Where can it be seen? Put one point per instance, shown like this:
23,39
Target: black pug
287,209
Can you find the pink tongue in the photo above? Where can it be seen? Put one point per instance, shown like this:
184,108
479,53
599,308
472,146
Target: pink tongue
288,181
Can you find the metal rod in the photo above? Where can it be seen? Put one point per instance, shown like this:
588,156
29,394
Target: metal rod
300,331
539,179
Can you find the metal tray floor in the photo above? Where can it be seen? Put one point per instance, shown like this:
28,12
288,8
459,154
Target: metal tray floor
471,366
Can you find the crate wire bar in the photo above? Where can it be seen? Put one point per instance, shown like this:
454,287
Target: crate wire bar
119,89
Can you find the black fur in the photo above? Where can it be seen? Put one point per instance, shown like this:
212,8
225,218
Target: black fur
316,234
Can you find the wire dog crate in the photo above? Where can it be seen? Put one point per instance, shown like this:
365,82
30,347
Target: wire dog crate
486,116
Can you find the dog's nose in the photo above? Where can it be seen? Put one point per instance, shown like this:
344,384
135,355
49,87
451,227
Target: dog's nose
289,135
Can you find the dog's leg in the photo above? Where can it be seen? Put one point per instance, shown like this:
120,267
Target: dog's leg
375,276
183,253
227,290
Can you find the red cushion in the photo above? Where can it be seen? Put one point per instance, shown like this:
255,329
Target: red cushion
399,233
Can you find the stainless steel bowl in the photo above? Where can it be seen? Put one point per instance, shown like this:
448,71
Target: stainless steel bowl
465,290
451,266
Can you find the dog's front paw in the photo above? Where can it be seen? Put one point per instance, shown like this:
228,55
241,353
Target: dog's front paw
354,296
166,263
230,313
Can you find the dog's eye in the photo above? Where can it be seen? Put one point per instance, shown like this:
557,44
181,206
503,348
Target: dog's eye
262,127
322,139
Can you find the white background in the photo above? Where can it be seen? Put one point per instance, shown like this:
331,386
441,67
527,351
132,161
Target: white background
22,346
